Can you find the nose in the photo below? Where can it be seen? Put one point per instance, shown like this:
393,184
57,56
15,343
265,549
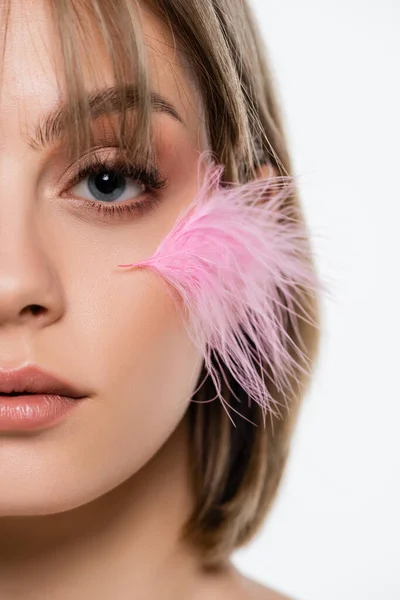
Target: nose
30,291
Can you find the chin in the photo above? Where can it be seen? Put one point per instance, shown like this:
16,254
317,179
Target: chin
30,496
39,502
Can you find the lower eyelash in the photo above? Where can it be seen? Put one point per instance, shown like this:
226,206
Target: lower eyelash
134,208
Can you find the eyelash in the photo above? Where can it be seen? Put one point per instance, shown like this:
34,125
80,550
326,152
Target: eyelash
150,177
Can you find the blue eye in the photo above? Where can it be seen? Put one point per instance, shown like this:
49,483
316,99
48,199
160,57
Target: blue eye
108,185
115,179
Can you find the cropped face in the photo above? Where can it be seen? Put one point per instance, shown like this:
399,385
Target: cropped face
114,333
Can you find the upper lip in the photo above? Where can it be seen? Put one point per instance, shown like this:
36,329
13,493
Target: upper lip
33,380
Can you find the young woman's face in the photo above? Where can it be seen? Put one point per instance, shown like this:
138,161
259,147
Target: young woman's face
113,332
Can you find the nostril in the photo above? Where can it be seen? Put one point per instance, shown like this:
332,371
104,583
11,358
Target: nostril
36,309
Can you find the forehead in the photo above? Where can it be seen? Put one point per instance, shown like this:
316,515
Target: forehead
33,79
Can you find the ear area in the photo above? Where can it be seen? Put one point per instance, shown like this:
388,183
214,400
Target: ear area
277,184
266,170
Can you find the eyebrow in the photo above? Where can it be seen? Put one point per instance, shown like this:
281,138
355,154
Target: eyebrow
51,127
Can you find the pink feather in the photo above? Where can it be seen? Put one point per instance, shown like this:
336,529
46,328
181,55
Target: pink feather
235,256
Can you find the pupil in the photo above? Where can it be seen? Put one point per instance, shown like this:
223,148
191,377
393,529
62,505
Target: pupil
106,182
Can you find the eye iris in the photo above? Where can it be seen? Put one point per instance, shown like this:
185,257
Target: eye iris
103,184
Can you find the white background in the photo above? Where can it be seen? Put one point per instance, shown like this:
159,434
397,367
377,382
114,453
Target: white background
334,532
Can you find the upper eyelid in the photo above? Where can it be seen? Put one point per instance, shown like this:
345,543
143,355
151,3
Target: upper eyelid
153,175
96,153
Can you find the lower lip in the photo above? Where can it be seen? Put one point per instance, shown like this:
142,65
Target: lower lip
33,411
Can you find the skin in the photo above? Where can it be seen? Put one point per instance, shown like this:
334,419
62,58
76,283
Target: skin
92,507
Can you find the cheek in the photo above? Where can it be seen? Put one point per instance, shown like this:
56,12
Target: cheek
136,353
137,336
138,357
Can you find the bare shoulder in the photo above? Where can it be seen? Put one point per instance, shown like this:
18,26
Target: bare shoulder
253,590
231,584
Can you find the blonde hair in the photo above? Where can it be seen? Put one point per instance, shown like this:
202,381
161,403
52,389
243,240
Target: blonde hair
236,470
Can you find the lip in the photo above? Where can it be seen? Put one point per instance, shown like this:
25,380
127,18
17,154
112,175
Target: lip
34,380
35,411
40,398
